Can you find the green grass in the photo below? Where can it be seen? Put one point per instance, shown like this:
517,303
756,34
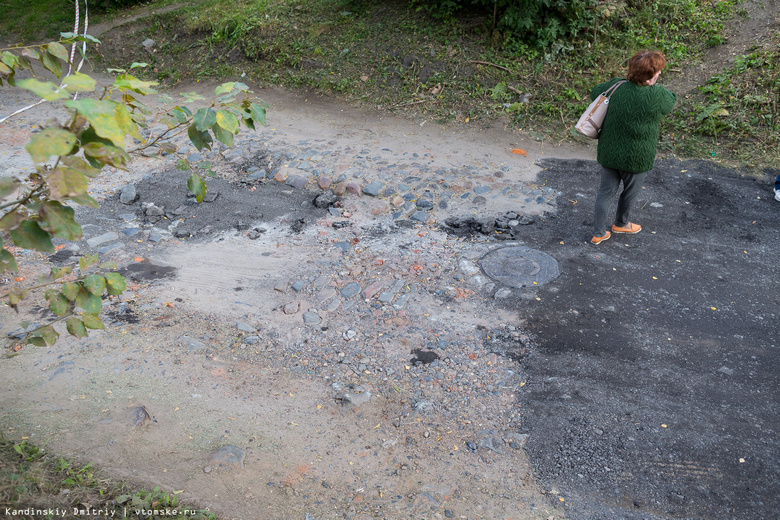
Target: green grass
455,70
32,478
36,20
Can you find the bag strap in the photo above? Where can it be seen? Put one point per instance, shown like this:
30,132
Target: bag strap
613,88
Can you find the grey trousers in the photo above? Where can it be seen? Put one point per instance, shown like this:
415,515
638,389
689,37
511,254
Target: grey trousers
610,184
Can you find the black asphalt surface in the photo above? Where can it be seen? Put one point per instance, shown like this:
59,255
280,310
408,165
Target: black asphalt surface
654,388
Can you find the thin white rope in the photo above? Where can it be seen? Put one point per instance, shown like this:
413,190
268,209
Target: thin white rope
77,24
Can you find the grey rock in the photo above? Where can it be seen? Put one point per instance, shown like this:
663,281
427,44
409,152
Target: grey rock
420,216
297,286
296,181
231,457
102,239
503,293
154,211
468,268
252,340
140,416
386,297
517,438
128,194
350,290
311,318
326,294
111,247
211,196
374,188
131,232
326,199
155,236
192,344
291,308
354,398
255,233
491,441
486,225
244,327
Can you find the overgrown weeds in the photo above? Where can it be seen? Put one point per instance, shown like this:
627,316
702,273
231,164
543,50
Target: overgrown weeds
33,483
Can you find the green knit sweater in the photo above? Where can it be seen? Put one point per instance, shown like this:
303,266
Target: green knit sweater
629,136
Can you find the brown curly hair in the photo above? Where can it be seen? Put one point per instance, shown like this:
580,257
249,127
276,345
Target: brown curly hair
644,64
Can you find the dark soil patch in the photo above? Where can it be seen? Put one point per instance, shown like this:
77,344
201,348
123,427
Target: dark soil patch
146,271
653,390
227,206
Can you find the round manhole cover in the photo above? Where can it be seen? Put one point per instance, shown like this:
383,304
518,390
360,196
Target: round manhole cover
519,266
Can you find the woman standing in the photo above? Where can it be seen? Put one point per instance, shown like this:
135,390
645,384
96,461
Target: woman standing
628,139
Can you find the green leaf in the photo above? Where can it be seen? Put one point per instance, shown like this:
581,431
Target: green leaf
115,283
52,64
183,165
5,71
50,142
30,53
91,303
49,335
128,82
228,121
224,88
43,89
16,295
204,119
137,64
59,304
258,113
7,262
181,114
58,50
35,340
58,220
12,220
197,187
29,235
65,182
87,261
95,284
76,328
71,290
92,322
110,119
59,273
106,154
248,120
223,135
85,200
78,82
7,186
167,147
10,60
192,97
199,140
80,165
